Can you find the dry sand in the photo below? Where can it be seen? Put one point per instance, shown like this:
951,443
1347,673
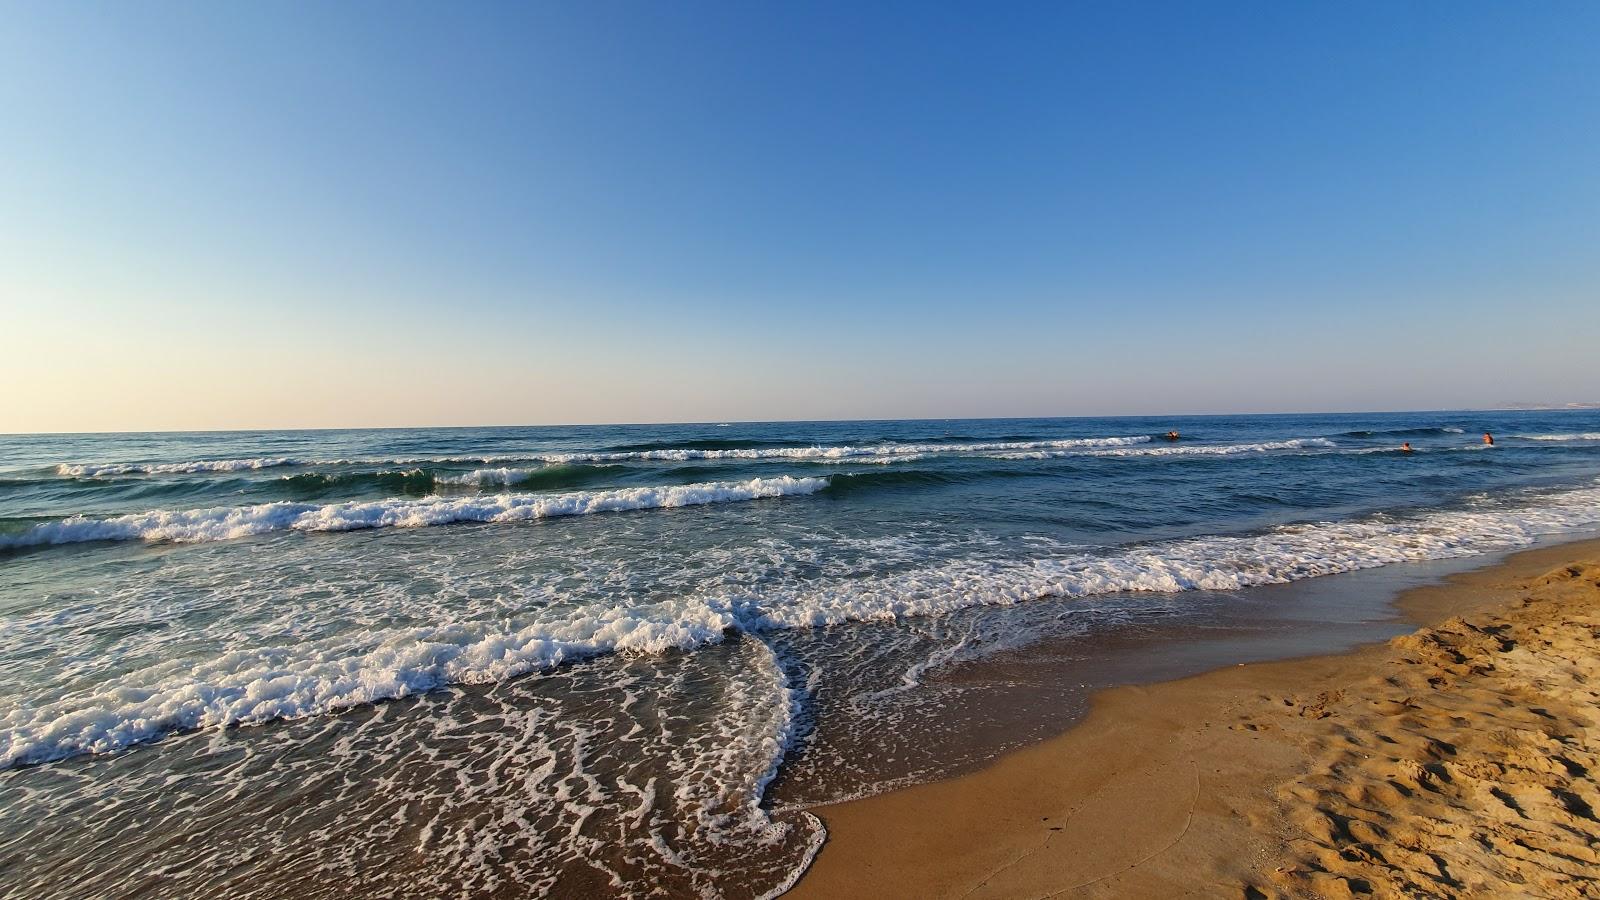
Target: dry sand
1457,761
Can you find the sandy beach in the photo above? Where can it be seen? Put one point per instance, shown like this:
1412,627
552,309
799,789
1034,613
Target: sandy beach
1455,761
732,451
632,660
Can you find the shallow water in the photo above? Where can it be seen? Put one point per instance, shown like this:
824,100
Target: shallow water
623,659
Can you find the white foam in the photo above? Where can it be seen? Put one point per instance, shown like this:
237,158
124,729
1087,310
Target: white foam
873,452
502,476
875,460
1283,554
1578,436
98,470
228,522
1180,449
306,677
685,454
754,727
101,470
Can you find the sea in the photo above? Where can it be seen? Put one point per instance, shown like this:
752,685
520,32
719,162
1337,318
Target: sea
632,660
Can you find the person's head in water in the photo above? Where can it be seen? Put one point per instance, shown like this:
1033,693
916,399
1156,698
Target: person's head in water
1488,439
1405,447
1172,435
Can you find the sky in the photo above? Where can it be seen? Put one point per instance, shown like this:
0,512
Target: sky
392,213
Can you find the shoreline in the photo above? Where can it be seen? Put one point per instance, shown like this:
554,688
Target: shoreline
1239,781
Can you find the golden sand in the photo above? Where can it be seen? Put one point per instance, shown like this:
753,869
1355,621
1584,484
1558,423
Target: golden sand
1457,761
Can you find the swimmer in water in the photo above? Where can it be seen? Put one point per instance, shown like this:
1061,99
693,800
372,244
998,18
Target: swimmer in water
1488,439
1405,447
1172,435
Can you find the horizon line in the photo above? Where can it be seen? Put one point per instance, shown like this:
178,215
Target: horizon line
1568,407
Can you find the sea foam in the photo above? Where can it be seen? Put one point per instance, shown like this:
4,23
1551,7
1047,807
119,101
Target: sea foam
292,679
204,466
681,454
101,470
503,475
1179,449
839,452
228,522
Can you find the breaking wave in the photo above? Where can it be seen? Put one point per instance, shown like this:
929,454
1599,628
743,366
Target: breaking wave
547,476
1398,432
864,451
302,679
696,450
228,522
1576,436
1180,449
101,470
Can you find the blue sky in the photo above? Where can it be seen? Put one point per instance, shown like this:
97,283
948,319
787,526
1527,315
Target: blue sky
359,214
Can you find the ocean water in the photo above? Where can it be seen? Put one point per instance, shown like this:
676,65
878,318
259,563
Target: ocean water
624,660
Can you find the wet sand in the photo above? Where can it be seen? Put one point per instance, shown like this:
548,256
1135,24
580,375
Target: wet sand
1458,760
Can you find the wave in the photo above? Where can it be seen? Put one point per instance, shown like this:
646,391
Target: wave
228,522
548,476
570,469
1398,432
409,481
100,470
413,481
294,680
873,460
705,444
1576,436
752,443
1216,563
196,467
1179,449
820,453
681,453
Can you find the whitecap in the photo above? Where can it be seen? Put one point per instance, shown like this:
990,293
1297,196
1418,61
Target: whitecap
228,522
257,684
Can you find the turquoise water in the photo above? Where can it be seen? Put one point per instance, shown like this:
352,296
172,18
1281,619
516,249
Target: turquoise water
614,652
